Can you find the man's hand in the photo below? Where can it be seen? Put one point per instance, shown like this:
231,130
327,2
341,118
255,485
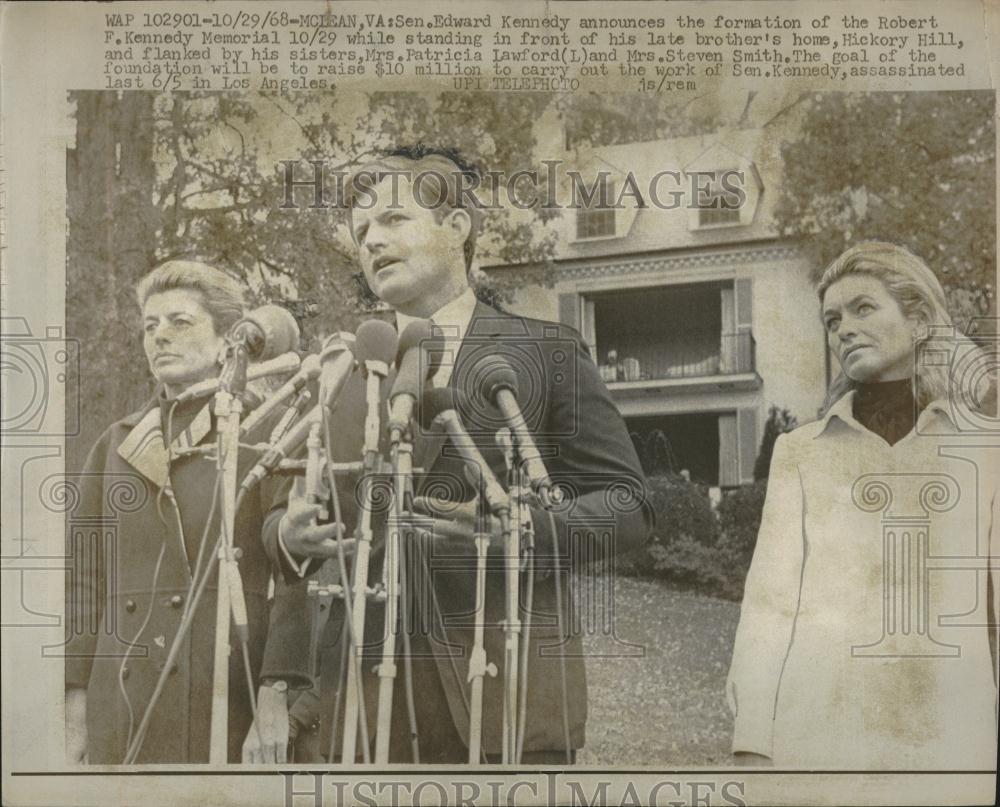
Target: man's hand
748,759
76,726
301,534
272,717
449,520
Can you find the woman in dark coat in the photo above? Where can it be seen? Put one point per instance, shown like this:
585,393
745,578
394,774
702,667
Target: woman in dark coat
147,518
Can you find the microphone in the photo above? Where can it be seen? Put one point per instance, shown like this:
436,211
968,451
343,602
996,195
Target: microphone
416,361
266,332
336,359
308,370
438,409
288,444
337,362
279,365
376,342
499,386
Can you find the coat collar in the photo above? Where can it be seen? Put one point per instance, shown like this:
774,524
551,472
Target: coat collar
143,447
936,418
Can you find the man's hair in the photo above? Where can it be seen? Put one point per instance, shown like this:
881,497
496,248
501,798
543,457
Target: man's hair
221,296
437,175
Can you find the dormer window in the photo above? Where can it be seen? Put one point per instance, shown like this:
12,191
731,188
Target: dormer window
595,217
716,203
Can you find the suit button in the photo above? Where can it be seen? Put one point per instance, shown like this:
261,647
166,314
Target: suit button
125,672
176,601
130,605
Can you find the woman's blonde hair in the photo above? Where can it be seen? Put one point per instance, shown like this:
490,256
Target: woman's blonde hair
919,295
221,295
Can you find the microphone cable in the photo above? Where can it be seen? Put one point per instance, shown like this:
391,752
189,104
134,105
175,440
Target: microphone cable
559,622
348,600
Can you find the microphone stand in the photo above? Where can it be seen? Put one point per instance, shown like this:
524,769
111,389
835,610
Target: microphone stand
512,622
376,372
402,470
230,601
478,666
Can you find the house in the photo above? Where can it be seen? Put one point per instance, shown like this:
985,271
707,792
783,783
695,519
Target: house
699,318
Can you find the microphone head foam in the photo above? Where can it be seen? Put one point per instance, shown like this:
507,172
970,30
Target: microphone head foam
492,374
278,328
418,332
375,341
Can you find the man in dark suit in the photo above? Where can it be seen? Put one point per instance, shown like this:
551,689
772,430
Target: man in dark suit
415,235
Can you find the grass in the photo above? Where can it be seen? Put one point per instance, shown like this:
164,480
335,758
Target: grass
665,706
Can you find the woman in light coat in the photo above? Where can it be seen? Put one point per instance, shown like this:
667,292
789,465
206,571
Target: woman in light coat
867,632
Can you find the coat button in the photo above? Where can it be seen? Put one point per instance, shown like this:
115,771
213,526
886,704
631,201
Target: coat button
125,672
176,601
130,605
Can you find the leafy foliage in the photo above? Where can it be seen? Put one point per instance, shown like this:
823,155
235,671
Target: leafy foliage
201,176
916,169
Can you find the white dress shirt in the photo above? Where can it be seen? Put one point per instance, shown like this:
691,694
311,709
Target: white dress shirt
452,320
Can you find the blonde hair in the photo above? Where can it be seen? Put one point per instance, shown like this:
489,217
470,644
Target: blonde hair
221,295
919,295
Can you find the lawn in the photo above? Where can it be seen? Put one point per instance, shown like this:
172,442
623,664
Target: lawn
665,706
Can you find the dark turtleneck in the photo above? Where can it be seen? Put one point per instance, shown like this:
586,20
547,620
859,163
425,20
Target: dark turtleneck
886,408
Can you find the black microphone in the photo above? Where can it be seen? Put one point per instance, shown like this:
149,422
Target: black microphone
499,387
438,408
416,361
376,342
266,332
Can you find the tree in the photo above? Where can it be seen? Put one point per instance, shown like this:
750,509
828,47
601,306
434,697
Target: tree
198,175
778,422
916,169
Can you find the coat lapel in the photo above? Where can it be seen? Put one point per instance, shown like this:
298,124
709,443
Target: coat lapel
428,445
143,447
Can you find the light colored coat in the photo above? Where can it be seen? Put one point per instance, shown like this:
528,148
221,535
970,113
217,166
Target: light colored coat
864,637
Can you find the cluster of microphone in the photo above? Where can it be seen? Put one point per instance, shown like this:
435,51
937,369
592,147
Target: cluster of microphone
269,334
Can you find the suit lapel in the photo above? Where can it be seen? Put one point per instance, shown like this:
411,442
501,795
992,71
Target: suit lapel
428,446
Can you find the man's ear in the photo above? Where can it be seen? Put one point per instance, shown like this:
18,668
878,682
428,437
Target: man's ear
459,222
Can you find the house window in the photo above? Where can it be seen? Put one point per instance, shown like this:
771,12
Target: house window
595,218
715,207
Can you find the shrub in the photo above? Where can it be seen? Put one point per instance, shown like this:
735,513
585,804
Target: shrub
739,521
778,422
694,547
682,511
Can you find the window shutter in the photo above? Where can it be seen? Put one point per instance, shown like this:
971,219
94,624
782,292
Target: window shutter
744,323
747,425
744,303
569,310
729,466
